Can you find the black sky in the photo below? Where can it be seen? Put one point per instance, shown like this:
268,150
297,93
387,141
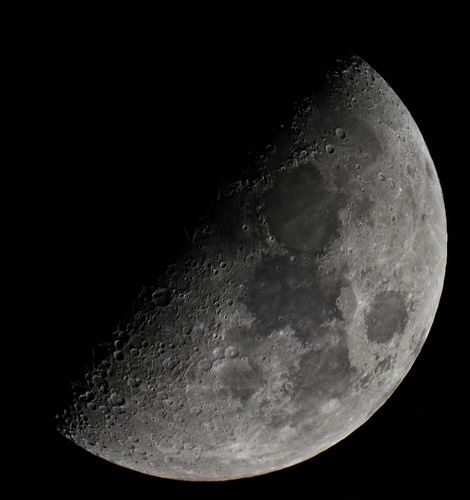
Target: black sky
119,126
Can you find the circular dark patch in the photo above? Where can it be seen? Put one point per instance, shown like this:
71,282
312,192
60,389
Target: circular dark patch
388,315
302,214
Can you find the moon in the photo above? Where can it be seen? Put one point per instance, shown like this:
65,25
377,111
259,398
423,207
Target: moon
302,300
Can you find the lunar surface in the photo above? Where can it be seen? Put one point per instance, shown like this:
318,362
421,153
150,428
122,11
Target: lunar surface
302,301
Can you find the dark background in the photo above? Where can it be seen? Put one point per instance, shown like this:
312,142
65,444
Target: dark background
119,127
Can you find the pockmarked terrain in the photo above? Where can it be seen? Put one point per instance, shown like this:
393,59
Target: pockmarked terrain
303,300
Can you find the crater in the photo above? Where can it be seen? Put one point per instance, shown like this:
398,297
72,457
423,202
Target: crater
388,316
429,168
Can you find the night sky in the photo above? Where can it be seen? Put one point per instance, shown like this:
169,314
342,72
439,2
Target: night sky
119,127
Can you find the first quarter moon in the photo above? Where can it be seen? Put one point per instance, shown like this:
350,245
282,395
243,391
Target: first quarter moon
300,303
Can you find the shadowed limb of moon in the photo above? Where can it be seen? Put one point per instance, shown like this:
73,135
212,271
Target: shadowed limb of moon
295,313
